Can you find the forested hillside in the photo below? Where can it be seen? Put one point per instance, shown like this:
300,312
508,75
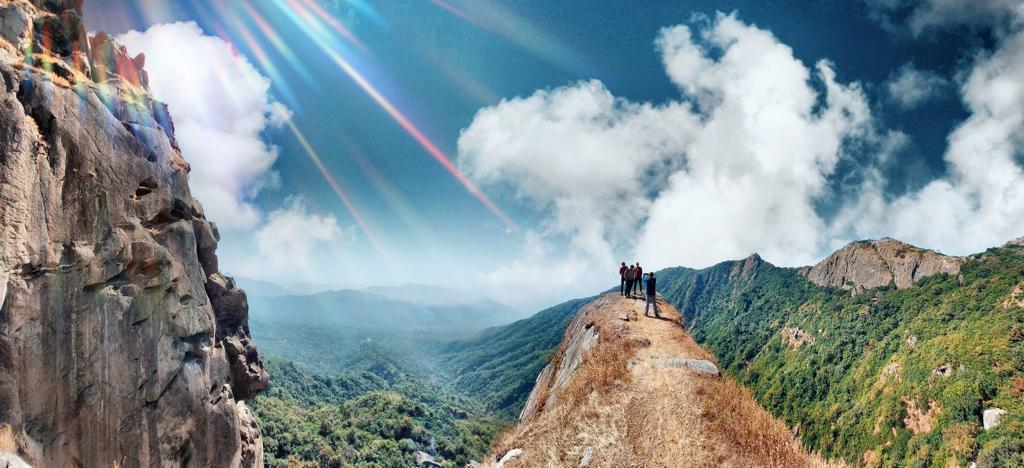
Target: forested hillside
362,419
498,366
388,405
885,376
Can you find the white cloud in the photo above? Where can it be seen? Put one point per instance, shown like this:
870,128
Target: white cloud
221,105
981,202
733,167
290,244
910,87
541,277
919,16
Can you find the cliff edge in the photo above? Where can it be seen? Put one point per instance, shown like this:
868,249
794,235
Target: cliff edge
120,342
628,390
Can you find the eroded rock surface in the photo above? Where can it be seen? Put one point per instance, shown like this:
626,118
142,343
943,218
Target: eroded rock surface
120,342
871,264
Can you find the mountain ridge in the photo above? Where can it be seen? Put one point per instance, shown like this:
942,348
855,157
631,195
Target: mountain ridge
628,390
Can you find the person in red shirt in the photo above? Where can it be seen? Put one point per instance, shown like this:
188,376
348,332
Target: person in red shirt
622,279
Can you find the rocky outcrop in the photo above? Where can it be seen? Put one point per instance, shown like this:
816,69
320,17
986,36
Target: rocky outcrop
871,264
795,337
120,342
580,336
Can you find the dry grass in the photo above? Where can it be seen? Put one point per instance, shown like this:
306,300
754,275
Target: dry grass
649,415
746,429
603,370
918,420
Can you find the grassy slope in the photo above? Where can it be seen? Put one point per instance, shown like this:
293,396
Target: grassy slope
833,389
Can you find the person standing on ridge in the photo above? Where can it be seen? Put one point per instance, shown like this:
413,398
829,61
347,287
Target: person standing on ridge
652,296
622,279
638,275
630,280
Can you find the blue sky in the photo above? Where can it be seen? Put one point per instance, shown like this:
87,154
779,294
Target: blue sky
441,63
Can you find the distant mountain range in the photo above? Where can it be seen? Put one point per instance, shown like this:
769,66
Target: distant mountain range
334,331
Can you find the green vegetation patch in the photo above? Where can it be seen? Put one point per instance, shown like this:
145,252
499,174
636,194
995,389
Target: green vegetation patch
893,377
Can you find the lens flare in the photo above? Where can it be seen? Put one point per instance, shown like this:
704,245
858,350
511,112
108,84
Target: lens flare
512,27
420,138
345,200
264,60
327,18
278,43
290,10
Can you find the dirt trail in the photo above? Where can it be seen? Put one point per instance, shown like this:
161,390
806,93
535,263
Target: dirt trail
630,403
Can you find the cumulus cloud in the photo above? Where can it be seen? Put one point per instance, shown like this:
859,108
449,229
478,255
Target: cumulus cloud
910,87
981,202
291,236
221,106
289,244
732,167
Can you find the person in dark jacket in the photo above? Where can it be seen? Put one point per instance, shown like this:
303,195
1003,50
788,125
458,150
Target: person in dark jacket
638,275
652,295
622,279
630,280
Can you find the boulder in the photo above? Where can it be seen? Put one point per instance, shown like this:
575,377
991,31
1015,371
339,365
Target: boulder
425,459
702,366
795,337
992,417
944,370
509,456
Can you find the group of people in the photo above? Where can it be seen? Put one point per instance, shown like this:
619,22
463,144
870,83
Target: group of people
632,278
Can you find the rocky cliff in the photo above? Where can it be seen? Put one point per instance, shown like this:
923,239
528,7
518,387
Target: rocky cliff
872,264
624,389
120,342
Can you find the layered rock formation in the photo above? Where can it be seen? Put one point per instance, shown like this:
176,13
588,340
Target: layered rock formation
120,342
872,264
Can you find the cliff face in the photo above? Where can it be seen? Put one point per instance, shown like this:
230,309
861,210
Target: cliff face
872,264
120,342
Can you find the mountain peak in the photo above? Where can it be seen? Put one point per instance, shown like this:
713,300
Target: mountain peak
867,264
746,268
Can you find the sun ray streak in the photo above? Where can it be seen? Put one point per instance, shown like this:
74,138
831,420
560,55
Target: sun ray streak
302,18
345,200
422,139
278,43
341,29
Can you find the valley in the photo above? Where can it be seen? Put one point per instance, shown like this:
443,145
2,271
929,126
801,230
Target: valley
875,366
359,378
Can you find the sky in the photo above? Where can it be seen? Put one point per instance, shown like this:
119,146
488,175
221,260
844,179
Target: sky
521,149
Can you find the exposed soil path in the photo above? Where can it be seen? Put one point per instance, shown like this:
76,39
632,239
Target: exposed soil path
659,412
